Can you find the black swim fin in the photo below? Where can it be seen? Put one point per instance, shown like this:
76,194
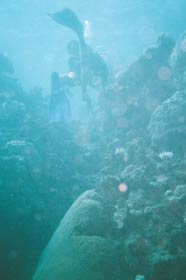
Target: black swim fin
69,19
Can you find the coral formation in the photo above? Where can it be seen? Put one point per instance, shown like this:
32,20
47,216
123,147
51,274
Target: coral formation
133,224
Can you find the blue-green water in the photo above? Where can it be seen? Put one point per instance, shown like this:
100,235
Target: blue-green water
92,140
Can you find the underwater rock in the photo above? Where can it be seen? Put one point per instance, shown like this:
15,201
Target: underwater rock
27,156
32,203
12,114
140,277
5,65
9,85
141,88
178,62
179,194
168,124
80,249
148,81
134,176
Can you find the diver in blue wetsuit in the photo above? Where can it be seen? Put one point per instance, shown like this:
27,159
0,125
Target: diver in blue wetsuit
60,108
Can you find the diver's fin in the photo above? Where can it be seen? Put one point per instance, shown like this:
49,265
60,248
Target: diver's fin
69,19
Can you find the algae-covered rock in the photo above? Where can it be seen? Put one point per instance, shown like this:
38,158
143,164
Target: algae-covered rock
11,114
168,124
80,249
24,159
144,85
178,61
149,79
5,65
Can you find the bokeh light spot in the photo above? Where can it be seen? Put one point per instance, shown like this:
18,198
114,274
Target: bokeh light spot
181,119
164,73
148,55
37,217
122,187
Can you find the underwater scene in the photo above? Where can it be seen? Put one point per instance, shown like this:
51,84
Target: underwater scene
92,140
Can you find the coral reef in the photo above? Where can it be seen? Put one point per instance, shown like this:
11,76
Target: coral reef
131,223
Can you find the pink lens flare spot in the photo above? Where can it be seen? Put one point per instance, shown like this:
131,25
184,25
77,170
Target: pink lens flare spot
122,187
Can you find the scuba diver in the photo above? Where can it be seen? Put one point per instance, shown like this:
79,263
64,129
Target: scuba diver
87,68
60,107
96,68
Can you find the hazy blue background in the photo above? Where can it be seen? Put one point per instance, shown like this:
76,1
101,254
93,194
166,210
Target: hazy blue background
36,44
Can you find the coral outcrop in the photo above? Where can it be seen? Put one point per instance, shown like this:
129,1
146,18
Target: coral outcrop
129,155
